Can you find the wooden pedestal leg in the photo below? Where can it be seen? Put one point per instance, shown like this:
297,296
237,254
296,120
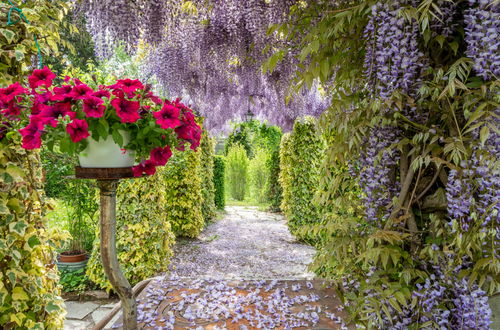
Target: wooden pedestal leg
108,253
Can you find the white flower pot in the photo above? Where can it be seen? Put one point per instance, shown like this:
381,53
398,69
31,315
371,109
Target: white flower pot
106,153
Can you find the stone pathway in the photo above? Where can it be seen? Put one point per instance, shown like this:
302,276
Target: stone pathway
245,244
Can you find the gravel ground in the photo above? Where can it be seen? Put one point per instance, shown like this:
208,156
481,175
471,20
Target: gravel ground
245,244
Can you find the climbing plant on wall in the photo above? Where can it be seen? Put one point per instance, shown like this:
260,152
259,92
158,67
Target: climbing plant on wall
29,291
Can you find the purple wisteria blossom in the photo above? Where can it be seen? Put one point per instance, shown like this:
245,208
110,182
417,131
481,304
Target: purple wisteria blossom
482,27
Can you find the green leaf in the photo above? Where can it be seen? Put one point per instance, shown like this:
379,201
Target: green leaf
51,307
18,293
117,137
18,227
484,134
8,34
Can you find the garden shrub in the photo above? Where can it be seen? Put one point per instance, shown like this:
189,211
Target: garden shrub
183,204
301,155
237,171
207,177
240,135
144,236
29,291
219,175
273,188
258,175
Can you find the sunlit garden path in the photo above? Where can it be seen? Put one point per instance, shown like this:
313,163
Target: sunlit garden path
245,244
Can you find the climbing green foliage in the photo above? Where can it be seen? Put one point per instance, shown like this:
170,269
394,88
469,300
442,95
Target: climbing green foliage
184,199
144,236
273,190
29,291
300,160
241,136
207,149
258,175
219,176
17,40
237,171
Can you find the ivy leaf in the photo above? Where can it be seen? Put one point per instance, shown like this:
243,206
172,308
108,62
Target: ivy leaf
8,34
18,293
18,227
51,307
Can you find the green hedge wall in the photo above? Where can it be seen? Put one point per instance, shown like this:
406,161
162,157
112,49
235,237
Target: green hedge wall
274,192
29,291
237,171
219,175
207,149
300,159
144,236
184,199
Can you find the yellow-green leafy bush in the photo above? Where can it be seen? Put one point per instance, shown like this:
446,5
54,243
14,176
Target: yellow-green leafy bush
143,235
29,291
300,160
207,148
183,182
219,175
237,171
273,190
258,175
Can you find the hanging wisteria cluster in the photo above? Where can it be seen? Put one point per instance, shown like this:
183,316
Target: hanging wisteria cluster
210,53
393,62
482,24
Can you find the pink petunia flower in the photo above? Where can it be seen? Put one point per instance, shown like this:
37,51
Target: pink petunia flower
78,130
41,77
160,156
129,86
168,116
126,110
32,134
146,167
80,92
102,93
93,107
8,93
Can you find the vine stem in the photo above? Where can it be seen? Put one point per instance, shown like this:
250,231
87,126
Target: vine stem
108,253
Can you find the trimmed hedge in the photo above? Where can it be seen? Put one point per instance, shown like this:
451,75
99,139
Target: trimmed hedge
237,171
29,290
144,236
184,199
258,175
207,147
274,192
300,160
219,175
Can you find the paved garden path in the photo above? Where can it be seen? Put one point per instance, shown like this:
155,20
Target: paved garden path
245,244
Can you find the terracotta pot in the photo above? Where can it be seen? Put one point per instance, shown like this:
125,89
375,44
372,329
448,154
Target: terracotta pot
72,258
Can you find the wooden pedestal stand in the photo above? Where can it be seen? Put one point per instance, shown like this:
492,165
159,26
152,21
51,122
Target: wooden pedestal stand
107,180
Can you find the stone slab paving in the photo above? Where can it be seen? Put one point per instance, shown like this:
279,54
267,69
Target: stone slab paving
84,314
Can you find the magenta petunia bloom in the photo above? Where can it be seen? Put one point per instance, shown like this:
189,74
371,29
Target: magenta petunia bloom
154,98
147,167
93,107
160,156
190,133
11,110
80,92
41,77
102,93
32,134
50,113
168,116
128,111
8,94
129,86
78,130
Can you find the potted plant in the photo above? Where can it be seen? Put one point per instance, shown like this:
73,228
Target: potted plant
82,207
119,125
